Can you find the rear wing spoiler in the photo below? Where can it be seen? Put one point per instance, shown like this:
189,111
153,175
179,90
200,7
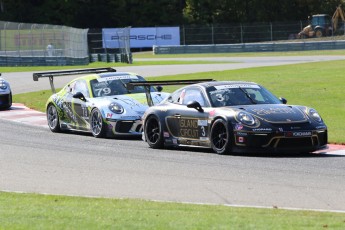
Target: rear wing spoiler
51,75
147,85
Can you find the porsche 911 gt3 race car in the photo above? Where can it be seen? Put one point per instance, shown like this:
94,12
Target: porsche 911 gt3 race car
233,117
5,94
100,103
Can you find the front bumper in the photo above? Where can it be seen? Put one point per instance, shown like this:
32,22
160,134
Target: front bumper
124,127
5,100
289,141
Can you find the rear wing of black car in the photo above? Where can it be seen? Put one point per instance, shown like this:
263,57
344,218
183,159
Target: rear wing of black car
147,85
51,75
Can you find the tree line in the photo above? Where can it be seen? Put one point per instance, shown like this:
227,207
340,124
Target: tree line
144,13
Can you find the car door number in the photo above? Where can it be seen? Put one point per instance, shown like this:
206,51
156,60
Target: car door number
193,128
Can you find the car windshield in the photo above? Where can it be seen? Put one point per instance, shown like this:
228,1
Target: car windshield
240,94
116,85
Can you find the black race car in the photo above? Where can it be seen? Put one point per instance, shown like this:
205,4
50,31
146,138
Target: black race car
233,117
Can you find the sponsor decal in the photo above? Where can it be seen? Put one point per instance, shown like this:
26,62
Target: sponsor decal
242,134
238,127
321,127
111,78
174,141
204,138
168,141
241,139
298,134
237,86
131,117
212,112
193,128
263,112
281,129
296,127
166,134
109,115
202,122
262,130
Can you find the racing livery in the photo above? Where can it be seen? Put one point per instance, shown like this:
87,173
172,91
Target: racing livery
233,117
100,103
5,94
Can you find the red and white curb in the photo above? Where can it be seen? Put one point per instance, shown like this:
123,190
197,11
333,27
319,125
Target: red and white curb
22,114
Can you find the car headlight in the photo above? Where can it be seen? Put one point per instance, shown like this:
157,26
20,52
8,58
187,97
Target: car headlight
314,115
3,85
116,108
246,118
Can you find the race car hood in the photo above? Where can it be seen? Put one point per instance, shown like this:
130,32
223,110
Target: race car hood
278,113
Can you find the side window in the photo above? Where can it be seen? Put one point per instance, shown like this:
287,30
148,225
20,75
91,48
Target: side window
70,87
81,86
193,94
175,97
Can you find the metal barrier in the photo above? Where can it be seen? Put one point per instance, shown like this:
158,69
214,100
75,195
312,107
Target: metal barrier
250,47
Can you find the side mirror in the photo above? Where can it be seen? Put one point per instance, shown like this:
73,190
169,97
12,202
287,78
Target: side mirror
195,105
80,96
159,88
283,100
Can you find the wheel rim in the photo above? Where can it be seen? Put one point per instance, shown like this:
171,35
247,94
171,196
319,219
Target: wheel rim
153,131
219,137
318,34
96,122
52,117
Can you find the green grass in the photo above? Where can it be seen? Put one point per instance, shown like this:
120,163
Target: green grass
242,54
31,211
318,85
150,55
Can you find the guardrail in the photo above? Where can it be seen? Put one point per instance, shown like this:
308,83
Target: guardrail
251,47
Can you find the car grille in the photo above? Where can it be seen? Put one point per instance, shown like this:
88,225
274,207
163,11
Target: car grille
4,99
123,126
138,128
296,142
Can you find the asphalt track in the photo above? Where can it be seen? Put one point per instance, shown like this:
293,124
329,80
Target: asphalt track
33,159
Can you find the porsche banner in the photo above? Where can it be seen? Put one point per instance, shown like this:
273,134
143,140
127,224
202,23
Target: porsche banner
141,37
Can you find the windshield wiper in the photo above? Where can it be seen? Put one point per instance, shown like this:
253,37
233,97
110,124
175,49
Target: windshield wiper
247,94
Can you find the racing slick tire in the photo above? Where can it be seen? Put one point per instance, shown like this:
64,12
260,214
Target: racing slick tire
53,119
97,124
220,138
153,133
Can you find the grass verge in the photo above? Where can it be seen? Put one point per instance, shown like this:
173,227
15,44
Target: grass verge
31,211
